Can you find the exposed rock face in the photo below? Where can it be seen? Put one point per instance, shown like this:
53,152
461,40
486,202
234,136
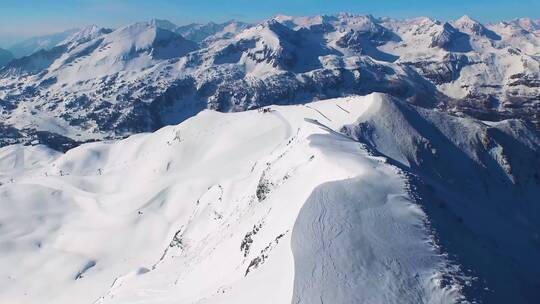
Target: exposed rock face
99,83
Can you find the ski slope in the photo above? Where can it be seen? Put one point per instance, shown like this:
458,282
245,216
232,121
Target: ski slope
273,206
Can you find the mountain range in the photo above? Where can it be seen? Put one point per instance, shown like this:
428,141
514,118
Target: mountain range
349,200
102,84
323,159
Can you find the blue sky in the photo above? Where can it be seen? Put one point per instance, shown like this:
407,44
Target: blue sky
24,18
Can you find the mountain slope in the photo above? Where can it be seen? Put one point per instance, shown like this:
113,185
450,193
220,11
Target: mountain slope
83,35
89,65
479,183
211,31
253,197
34,44
341,201
5,57
145,76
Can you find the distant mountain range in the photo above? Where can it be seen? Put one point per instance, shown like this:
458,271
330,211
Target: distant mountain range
99,83
196,32
326,159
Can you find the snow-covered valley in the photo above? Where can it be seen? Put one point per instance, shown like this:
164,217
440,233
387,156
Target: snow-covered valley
350,200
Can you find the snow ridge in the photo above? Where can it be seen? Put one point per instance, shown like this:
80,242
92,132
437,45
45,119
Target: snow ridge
180,203
342,200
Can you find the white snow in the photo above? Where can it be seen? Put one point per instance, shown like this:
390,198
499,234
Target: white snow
161,217
84,34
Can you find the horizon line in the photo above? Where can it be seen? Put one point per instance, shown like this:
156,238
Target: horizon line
68,28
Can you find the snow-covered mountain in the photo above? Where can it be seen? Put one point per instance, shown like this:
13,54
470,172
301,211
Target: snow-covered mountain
527,24
479,184
211,31
34,44
101,84
83,35
350,200
5,57
322,159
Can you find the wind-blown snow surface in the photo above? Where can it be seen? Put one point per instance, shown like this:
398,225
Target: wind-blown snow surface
359,199
478,183
248,207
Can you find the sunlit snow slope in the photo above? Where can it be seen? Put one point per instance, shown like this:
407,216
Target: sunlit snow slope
313,203
248,207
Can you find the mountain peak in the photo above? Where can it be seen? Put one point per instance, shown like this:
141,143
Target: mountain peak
471,26
466,19
164,24
85,34
449,38
275,26
423,20
304,21
210,31
147,35
527,24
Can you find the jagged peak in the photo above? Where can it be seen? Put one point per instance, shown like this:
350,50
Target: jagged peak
211,23
344,15
272,31
274,25
296,22
207,32
466,20
143,35
85,34
471,26
423,20
448,27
